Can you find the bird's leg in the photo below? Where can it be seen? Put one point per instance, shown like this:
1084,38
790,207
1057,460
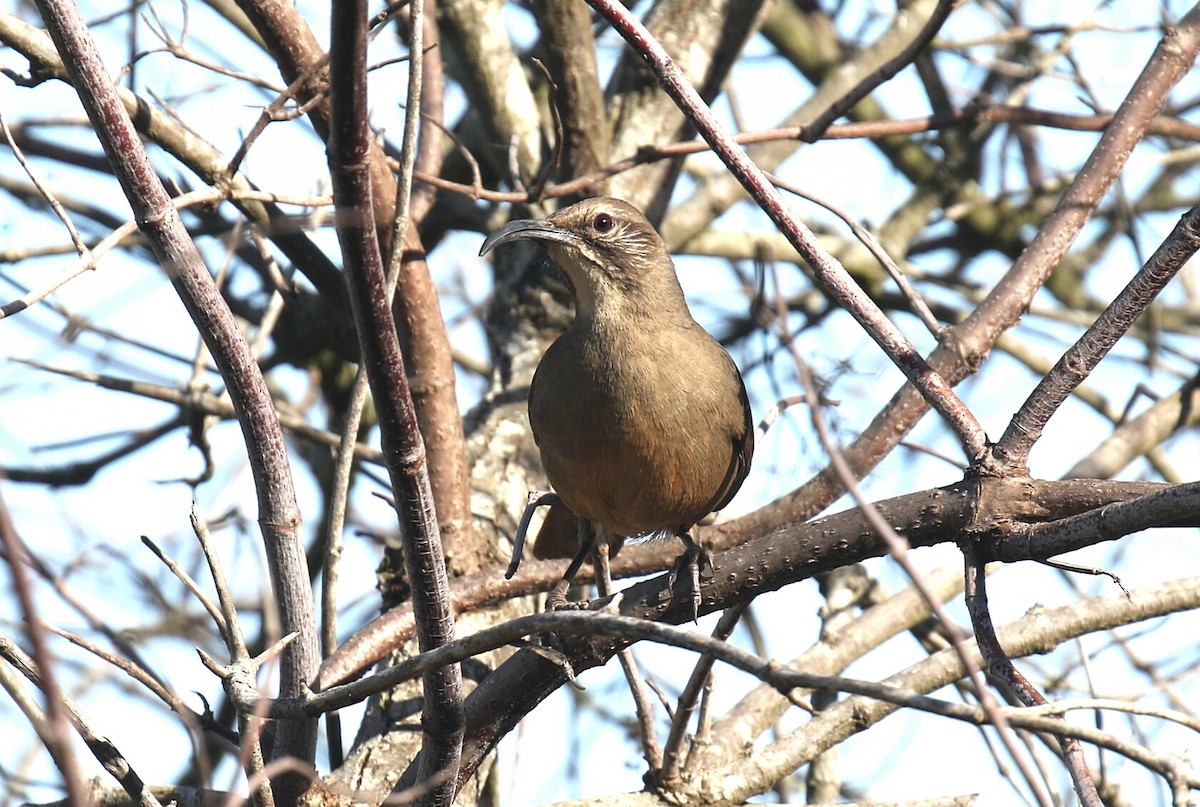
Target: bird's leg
537,498
600,555
689,568
557,600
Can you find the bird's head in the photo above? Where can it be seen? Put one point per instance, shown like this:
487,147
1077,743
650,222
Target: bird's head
608,249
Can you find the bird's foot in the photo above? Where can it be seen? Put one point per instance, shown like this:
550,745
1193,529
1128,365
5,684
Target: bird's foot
557,600
563,604
689,569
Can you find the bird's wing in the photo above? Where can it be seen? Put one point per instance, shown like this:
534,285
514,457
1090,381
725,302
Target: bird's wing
743,447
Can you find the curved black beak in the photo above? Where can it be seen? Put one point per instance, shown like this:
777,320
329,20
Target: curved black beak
531,229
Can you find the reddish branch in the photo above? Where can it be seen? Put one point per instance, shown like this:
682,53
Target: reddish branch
55,729
591,183
400,436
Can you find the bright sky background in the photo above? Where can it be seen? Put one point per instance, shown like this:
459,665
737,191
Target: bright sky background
103,521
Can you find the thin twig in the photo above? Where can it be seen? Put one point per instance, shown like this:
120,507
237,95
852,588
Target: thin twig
240,672
101,747
205,403
817,127
698,681
80,246
868,240
204,196
189,583
1082,357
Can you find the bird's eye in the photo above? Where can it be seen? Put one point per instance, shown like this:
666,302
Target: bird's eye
603,223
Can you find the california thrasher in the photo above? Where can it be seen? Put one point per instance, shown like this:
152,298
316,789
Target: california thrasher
641,416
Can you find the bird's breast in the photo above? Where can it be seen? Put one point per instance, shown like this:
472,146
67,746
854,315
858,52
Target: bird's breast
637,432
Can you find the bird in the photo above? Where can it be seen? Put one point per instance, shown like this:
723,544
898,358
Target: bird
641,417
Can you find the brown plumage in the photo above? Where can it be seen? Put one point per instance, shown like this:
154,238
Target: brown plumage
640,415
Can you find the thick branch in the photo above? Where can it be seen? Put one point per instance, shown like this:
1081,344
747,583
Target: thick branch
996,510
404,451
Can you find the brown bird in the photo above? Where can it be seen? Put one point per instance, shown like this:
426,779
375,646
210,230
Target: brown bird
641,416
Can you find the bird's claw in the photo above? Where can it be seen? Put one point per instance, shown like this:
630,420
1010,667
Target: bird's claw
563,604
689,569
557,600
